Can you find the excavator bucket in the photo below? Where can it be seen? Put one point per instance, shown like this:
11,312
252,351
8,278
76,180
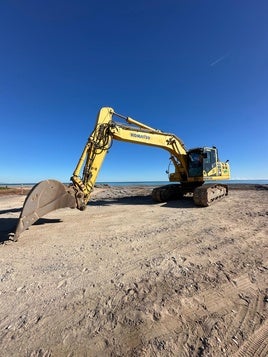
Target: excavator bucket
46,196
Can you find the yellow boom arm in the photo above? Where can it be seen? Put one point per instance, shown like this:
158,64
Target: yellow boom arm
100,140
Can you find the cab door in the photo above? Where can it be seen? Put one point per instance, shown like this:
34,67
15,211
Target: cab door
210,161
195,163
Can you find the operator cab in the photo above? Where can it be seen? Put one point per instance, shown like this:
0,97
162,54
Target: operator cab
202,159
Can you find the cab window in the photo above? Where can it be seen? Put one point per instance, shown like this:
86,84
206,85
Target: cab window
195,161
210,159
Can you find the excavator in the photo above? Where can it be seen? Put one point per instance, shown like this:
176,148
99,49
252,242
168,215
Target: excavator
193,169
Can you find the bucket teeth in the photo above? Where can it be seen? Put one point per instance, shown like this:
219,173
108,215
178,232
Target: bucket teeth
46,196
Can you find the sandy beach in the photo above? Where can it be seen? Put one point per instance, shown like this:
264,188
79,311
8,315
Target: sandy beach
130,277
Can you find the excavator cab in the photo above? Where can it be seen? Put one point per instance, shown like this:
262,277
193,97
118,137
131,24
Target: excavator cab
204,162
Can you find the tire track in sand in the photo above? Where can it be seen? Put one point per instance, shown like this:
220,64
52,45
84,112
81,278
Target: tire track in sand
256,345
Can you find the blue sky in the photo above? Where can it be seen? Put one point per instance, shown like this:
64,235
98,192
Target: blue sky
198,69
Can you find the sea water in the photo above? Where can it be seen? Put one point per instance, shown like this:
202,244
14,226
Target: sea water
161,183
150,183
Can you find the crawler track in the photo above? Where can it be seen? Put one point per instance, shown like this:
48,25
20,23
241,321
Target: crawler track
207,194
167,193
202,195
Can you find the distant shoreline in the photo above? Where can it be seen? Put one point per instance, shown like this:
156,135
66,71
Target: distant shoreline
147,183
24,189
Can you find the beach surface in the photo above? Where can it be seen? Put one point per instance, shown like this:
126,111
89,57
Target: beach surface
130,277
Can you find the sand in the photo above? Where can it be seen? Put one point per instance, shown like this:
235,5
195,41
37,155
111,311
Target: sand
129,277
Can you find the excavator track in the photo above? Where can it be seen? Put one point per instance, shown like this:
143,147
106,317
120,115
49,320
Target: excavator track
207,194
203,196
167,193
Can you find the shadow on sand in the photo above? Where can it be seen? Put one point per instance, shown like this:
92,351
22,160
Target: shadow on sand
185,202
8,225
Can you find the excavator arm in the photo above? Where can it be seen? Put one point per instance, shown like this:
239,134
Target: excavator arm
106,130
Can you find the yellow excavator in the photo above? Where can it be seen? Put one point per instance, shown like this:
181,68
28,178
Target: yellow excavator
192,168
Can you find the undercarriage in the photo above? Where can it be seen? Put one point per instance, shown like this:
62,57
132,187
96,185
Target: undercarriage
203,195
